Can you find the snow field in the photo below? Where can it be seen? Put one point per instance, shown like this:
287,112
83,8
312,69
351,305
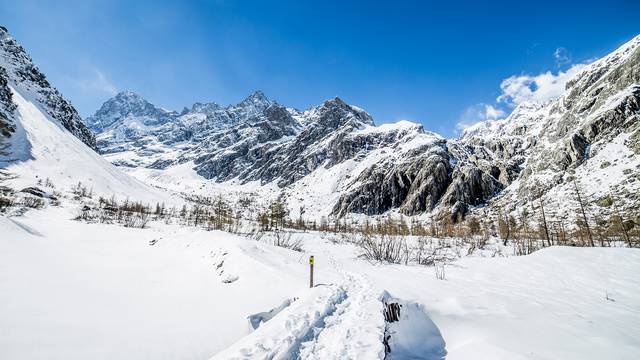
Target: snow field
70,290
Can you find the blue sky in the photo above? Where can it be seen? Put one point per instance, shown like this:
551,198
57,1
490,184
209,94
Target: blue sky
440,64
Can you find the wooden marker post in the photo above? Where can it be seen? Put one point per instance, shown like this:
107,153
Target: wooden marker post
311,262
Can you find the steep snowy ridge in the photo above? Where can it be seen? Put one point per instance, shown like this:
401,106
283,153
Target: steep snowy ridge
19,71
47,138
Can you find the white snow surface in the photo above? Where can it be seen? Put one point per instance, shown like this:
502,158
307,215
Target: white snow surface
70,290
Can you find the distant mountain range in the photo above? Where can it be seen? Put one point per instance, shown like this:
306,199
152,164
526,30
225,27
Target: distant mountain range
332,160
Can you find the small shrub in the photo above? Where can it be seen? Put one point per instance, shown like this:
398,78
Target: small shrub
5,202
605,201
138,221
286,240
32,202
384,248
438,268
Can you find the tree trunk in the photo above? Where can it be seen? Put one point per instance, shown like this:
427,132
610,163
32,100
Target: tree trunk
584,214
544,223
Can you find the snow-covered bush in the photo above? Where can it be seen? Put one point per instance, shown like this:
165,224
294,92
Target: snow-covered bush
32,202
438,268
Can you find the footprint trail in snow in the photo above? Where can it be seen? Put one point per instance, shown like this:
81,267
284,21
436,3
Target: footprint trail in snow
343,321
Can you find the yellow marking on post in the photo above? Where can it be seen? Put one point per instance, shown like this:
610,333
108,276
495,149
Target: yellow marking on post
311,260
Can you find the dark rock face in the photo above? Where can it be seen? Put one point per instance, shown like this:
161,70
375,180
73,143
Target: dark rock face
242,149
19,71
7,107
469,186
414,186
314,145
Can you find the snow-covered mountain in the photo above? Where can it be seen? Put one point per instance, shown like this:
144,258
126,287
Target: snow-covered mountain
332,159
590,134
44,137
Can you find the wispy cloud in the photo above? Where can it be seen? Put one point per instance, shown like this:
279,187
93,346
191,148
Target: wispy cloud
93,82
562,57
99,82
87,86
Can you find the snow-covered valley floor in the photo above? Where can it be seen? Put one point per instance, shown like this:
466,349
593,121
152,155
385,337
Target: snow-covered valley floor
70,290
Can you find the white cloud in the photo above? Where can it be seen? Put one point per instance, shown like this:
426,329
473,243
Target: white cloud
478,113
538,88
521,88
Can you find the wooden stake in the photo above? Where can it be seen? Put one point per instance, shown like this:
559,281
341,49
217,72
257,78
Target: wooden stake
311,262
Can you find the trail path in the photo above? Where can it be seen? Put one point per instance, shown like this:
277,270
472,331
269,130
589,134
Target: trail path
331,321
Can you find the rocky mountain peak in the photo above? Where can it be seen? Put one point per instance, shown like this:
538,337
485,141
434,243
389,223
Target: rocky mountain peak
128,96
256,102
126,105
257,96
204,107
336,113
337,101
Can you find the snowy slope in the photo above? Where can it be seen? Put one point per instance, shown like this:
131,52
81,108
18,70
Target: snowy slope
118,294
67,295
549,305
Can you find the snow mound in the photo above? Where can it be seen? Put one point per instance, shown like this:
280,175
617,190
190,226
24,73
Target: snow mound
410,333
